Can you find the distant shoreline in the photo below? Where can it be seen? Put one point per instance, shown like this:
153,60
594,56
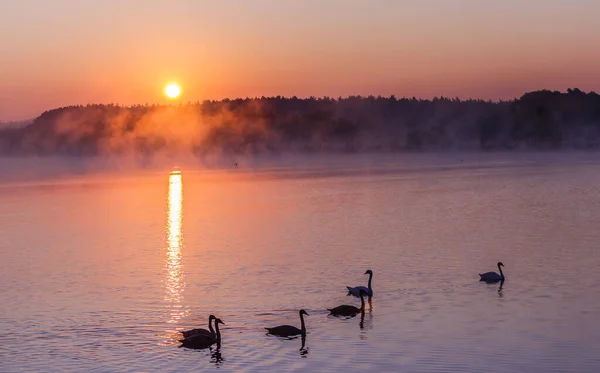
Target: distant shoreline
541,121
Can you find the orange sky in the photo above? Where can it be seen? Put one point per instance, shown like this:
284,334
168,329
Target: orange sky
64,52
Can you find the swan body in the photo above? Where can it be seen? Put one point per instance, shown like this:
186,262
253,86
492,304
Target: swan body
210,332
347,310
201,341
357,289
493,276
289,330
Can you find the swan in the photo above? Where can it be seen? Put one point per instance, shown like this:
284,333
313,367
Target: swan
346,310
200,341
493,276
356,290
289,330
210,332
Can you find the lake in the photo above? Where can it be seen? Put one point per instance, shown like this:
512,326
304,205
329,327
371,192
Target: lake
101,271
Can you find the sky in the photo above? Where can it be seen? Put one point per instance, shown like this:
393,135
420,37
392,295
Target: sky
69,52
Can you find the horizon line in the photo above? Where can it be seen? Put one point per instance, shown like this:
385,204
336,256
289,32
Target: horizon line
294,97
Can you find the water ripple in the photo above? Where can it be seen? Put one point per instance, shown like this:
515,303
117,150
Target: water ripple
109,283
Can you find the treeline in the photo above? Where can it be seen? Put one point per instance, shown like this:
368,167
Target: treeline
537,120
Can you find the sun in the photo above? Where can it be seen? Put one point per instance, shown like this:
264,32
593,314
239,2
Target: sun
172,90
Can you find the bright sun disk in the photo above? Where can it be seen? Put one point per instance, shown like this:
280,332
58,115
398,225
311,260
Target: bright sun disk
172,90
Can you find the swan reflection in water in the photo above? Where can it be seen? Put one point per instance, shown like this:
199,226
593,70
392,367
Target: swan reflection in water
362,320
500,288
369,323
303,349
216,357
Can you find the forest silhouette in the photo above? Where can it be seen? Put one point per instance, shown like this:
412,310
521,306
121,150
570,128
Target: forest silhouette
537,120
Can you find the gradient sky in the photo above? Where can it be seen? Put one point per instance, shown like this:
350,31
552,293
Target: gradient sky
63,52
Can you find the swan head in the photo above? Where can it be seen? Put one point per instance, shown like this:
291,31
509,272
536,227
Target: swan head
303,312
218,321
368,272
500,264
211,317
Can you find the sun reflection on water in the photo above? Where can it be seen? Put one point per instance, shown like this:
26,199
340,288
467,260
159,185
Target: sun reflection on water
174,284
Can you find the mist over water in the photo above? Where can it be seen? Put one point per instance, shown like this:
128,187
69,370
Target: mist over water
34,168
208,131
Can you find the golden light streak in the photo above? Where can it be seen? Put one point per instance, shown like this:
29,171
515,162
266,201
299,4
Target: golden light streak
174,284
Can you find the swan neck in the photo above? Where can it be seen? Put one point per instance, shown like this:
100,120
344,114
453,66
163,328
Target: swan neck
500,269
370,279
210,327
302,326
218,332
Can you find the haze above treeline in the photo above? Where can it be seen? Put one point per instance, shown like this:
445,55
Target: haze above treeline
270,125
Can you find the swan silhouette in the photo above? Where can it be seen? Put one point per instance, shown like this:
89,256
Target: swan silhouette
347,310
493,276
210,332
356,290
201,341
289,330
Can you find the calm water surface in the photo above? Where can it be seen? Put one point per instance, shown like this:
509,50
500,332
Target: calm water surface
101,274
